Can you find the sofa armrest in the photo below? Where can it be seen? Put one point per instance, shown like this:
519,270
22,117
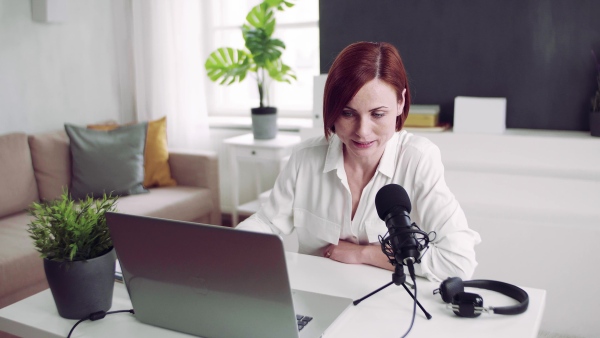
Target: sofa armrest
198,168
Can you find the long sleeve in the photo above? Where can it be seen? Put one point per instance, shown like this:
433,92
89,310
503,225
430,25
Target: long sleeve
452,252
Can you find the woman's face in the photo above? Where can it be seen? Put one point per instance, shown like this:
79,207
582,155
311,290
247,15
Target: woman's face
369,120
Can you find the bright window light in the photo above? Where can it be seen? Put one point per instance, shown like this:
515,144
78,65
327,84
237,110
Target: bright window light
298,28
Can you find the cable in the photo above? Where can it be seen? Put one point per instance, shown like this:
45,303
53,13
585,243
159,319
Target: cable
422,239
96,316
411,270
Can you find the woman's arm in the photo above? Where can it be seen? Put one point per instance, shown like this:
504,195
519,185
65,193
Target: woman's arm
452,250
350,253
254,223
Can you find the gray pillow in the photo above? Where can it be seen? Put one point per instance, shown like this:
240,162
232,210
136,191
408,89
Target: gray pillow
107,161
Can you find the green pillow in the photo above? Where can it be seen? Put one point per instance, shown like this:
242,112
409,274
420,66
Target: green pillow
107,161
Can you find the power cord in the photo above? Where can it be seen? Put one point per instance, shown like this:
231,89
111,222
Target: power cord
96,316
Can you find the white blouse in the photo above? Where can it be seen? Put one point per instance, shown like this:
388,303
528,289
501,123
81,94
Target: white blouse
311,196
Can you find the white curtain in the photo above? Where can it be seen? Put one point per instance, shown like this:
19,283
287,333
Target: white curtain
169,69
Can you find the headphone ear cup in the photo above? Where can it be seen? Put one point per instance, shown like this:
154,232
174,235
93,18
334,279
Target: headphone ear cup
466,304
450,288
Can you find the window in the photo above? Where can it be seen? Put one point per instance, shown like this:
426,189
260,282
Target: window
298,28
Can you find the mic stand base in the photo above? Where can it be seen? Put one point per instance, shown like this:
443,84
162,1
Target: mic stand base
356,302
399,279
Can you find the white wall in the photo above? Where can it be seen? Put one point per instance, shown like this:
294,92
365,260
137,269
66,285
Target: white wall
60,72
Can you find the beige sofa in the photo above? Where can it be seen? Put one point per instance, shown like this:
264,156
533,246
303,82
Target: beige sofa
36,167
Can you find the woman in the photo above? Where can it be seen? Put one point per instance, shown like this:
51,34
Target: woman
326,192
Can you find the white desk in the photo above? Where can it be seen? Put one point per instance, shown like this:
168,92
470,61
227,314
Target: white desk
386,314
245,148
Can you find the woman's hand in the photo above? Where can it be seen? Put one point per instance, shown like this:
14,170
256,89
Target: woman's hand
345,252
350,253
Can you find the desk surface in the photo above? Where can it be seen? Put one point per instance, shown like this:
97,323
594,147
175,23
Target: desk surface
386,314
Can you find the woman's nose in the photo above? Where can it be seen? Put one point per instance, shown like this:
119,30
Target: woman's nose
363,127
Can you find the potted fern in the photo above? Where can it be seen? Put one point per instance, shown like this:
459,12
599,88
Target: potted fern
595,113
262,56
79,258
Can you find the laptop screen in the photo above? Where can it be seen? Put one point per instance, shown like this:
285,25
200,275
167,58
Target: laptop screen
202,279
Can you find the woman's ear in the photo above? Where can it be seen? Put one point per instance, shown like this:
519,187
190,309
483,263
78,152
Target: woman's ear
401,103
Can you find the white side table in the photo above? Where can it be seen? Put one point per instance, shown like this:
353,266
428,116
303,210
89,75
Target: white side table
245,148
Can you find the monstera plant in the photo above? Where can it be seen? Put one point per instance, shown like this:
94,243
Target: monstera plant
262,56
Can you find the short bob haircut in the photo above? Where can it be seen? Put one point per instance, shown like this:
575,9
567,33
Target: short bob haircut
356,65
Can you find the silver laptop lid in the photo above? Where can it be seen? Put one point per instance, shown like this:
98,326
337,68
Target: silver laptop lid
202,279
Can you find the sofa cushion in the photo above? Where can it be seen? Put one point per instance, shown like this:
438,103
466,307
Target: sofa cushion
156,157
157,172
178,203
51,163
20,264
107,162
16,174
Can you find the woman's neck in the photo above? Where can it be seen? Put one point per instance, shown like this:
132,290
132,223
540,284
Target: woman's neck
364,165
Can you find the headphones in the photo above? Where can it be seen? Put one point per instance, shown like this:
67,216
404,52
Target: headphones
465,304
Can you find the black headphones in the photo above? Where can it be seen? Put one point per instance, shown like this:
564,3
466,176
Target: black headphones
465,304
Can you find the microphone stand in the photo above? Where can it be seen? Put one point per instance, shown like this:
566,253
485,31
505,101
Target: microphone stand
398,278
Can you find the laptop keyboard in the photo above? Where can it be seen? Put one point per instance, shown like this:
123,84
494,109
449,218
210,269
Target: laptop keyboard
302,321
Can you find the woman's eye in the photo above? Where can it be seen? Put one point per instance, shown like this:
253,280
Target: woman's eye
346,113
378,115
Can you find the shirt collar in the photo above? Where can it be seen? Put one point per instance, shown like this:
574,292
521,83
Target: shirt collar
387,164
335,154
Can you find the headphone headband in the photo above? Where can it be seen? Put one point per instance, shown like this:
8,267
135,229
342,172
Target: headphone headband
466,304
506,289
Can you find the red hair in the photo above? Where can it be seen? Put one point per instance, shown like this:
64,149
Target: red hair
356,65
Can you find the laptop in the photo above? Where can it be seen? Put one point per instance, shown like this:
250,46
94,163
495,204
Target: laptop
214,281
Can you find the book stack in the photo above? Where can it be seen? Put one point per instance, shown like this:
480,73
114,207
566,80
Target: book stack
423,116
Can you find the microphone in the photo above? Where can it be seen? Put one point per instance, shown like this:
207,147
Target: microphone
403,242
393,206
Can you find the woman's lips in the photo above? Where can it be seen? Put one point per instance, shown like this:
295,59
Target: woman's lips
363,144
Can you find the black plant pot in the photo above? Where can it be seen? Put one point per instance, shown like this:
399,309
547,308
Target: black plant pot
81,288
595,123
264,123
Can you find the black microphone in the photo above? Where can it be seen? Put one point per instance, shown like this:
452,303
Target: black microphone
393,207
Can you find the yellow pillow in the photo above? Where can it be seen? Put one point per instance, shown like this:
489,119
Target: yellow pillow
104,126
156,155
